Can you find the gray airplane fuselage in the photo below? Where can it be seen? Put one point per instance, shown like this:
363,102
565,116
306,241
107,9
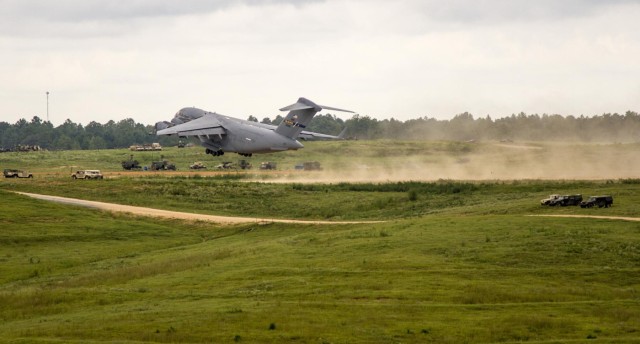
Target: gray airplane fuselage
220,134
249,137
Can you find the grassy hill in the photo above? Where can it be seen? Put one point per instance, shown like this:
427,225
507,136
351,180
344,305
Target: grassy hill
456,261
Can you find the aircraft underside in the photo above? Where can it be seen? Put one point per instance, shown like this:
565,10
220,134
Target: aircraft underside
216,150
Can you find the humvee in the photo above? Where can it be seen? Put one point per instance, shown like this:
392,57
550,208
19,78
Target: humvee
267,165
566,200
87,174
549,199
162,165
198,165
599,201
9,173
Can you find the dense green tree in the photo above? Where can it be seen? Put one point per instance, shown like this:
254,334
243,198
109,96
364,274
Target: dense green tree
607,127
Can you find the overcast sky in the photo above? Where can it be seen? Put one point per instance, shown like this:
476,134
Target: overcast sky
145,59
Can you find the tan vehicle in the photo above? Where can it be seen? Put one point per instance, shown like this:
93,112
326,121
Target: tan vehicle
87,174
9,173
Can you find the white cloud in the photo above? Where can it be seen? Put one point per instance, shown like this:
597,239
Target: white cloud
146,59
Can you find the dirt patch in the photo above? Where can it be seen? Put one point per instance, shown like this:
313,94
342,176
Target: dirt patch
142,211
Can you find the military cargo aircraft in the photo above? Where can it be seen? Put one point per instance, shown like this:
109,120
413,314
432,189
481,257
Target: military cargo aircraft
220,134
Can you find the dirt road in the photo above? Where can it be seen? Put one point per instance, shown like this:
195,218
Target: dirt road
176,214
623,218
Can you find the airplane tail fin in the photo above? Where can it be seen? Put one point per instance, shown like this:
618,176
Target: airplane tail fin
299,116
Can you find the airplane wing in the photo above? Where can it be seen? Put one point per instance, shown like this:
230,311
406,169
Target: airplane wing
205,125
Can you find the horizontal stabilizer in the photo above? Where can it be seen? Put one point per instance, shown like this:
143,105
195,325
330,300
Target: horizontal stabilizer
296,106
304,104
334,109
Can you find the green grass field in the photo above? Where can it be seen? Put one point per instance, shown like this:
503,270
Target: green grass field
457,261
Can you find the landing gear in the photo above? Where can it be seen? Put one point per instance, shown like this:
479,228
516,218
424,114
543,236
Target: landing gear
214,153
248,155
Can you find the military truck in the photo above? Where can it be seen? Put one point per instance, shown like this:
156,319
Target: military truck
146,147
549,199
87,174
566,200
198,165
267,165
163,165
605,201
244,165
226,165
131,164
10,173
309,166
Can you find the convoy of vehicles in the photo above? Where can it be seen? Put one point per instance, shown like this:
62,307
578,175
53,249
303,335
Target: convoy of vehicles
604,201
141,148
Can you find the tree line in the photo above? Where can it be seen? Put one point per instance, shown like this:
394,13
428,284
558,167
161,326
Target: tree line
463,127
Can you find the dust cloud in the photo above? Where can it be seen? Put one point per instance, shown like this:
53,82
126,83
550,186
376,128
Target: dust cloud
487,161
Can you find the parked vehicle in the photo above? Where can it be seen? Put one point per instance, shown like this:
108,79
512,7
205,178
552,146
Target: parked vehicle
226,165
605,201
309,166
244,165
198,165
549,199
131,164
267,165
10,173
87,174
566,200
162,165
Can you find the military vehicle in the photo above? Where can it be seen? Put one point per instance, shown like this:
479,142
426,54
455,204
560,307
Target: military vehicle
162,165
549,199
198,165
146,147
10,173
244,165
131,164
566,200
267,165
309,166
226,165
605,201
87,174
